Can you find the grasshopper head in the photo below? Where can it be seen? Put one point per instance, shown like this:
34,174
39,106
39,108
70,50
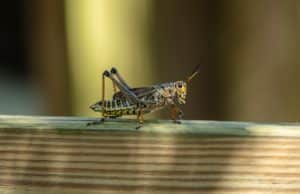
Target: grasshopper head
181,86
181,91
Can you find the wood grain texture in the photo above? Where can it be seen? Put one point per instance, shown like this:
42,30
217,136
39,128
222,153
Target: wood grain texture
62,155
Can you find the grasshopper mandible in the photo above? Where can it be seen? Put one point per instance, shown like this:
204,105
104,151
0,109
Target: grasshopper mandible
143,100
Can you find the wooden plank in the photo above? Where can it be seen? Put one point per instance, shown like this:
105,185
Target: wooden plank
55,190
64,155
187,127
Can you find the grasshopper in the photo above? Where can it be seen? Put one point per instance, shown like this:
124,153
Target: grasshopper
139,101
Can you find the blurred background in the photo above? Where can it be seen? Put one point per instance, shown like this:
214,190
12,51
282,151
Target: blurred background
53,52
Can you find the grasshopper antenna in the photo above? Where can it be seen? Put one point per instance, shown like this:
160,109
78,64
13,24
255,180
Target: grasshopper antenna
194,73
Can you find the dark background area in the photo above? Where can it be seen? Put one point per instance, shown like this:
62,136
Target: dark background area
13,58
17,93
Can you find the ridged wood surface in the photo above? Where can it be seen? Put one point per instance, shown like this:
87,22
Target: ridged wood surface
123,162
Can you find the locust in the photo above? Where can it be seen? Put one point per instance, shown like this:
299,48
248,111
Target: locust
141,100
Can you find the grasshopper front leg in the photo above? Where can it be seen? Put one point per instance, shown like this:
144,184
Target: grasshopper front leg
176,114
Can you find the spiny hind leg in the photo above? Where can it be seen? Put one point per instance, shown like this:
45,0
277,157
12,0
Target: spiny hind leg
123,88
115,72
176,114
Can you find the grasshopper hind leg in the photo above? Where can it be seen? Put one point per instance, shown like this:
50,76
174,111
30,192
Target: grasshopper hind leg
102,120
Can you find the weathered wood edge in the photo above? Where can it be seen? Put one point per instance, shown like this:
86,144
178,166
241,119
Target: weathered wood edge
200,127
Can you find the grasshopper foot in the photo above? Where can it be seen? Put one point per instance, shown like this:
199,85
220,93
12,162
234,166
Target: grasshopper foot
97,122
138,127
177,121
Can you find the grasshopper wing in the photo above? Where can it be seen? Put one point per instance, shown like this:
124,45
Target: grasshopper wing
139,92
144,91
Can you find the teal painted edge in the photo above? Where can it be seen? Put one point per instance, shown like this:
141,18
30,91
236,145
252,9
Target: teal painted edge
200,127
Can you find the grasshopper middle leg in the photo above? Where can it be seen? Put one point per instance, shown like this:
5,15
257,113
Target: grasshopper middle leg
140,118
